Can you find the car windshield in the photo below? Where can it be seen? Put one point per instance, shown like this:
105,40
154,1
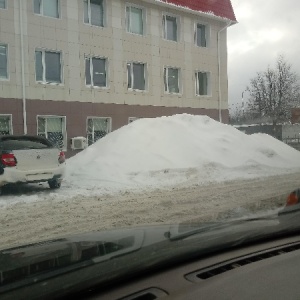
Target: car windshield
128,124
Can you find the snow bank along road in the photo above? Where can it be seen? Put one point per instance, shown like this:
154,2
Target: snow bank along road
30,222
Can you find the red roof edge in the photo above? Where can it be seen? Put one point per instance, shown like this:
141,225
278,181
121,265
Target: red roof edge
218,8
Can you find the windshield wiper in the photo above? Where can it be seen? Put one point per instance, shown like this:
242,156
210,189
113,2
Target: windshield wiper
183,230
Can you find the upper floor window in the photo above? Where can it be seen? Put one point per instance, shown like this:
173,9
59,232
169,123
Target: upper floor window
2,3
48,66
95,71
135,20
5,124
3,62
136,76
202,83
201,35
49,8
170,26
94,12
53,128
171,78
97,128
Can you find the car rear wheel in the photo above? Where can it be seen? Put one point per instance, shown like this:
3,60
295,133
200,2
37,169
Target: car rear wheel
54,184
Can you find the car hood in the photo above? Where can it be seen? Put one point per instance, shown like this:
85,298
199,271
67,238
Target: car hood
101,257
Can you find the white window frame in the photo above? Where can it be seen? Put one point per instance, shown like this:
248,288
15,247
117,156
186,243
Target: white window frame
41,13
10,122
207,34
165,78
5,5
44,81
144,16
164,27
91,72
132,77
209,90
64,129
93,118
7,63
89,15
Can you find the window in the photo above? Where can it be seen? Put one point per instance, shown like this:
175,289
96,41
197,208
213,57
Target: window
201,35
97,128
136,76
135,20
48,66
54,129
95,71
171,78
202,83
94,12
170,28
3,62
49,8
2,3
5,124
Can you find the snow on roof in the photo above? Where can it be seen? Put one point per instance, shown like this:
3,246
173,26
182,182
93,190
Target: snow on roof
219,8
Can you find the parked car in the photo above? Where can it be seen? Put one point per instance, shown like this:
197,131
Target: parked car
30,159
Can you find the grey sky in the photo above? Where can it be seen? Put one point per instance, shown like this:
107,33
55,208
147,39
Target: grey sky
266,29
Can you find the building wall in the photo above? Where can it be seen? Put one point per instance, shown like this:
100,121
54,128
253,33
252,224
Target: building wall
75,39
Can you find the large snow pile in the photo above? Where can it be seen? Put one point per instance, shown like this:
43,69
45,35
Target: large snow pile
183,148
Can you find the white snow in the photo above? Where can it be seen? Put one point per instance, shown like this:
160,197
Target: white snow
176,150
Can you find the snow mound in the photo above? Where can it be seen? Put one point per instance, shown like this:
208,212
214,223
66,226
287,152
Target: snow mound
145,149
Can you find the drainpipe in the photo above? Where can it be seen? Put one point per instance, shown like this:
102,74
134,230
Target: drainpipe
23,68
219,70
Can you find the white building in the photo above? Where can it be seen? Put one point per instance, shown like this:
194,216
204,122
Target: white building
85,67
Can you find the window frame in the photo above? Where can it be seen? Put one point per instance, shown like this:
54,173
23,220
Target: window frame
109,127
91,85
11,131
64,127
41,13
5,5
144,18
165,78
164,27
132,77
89,15
7,78
209,88
207,34
44,81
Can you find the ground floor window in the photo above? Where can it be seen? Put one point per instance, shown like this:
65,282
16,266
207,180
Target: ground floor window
5,124
97,127
54,129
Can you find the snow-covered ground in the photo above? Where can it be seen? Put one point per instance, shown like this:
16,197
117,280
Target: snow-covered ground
160,153
165,170
180,149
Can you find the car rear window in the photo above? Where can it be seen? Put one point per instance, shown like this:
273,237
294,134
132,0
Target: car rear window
23,143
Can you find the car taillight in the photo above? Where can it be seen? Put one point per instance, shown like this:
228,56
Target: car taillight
61,157
8,160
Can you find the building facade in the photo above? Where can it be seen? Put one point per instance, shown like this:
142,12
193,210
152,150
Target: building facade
72,68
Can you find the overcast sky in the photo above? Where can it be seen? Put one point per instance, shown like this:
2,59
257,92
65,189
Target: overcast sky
265,29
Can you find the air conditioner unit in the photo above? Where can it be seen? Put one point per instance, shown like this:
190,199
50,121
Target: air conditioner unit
78,143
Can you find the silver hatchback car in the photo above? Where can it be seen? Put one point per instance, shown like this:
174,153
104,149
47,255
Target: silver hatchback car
29,159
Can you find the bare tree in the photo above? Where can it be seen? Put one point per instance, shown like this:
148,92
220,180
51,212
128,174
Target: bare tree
274,92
